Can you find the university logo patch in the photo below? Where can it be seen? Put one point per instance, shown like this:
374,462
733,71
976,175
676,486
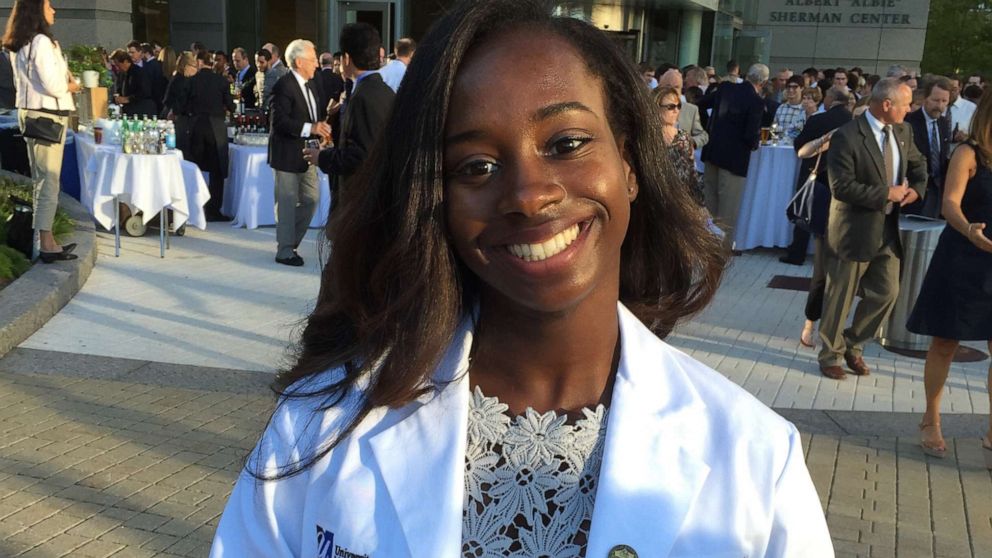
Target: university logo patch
325,543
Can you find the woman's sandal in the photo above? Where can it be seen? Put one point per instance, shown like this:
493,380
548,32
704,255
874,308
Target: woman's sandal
987,452
934,450
806,337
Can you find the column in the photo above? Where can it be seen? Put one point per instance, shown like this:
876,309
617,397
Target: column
690,34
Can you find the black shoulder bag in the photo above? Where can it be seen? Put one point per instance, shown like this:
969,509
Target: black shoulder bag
41,128
810,207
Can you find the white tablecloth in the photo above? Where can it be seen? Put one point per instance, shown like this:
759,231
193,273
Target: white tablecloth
770,184
249,191
147,183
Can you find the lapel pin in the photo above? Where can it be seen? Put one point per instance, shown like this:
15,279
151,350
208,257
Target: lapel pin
622,551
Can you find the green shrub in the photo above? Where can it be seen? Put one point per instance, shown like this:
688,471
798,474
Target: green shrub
13,264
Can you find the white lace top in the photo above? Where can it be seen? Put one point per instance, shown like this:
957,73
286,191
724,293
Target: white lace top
530,483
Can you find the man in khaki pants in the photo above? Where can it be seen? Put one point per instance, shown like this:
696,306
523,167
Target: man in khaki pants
874,168
735,130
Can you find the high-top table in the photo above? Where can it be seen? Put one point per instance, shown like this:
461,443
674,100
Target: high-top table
146,183
249,191
770,184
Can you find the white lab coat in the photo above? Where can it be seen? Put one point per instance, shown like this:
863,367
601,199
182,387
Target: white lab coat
693,466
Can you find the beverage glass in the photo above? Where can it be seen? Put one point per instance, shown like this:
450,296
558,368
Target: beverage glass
765,135
98,134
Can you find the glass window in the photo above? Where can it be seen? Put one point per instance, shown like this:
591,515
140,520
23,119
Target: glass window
151,20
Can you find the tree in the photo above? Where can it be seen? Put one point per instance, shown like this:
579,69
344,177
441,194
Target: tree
958,37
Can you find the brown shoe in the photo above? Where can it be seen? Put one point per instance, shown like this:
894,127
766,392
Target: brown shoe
833,372
857,365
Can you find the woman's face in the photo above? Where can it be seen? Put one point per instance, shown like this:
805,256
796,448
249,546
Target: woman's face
49,13
537,189
670,106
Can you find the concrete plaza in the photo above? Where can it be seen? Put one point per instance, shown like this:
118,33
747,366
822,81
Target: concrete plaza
125,420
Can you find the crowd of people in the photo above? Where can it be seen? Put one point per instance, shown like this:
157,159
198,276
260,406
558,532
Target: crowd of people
515,228
886,145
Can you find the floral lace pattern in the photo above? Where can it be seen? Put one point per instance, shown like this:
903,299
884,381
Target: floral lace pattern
530,482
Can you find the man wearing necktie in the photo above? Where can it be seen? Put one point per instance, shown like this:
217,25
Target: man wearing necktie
932,136
296,115
874,169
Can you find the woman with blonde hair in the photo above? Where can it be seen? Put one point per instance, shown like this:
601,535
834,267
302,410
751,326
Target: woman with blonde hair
955,301
678,144
44,96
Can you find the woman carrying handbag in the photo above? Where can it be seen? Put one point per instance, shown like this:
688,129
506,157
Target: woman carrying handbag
44,102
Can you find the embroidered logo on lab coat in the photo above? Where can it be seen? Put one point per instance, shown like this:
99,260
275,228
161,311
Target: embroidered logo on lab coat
327,549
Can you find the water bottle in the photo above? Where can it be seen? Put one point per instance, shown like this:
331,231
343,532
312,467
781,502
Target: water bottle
170,136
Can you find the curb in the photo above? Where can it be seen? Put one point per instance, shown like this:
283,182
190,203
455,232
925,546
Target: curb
33,298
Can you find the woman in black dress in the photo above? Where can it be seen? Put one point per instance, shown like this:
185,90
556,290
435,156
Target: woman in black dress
955,302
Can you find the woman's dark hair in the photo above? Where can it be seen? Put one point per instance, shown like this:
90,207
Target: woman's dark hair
26,20
361,42
393,290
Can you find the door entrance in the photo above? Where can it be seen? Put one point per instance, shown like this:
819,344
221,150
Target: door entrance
377,14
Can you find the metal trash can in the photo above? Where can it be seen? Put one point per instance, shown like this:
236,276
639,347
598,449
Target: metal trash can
919,239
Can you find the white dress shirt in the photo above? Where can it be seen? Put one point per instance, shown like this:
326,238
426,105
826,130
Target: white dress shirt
393,73
961,112
42,76
877,129
311,103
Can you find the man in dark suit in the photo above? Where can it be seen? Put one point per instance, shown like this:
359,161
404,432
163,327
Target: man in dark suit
244,77
816,127
735,130
296,115
875,168
208,102
365,111
132,89
330,82
156,76
932,136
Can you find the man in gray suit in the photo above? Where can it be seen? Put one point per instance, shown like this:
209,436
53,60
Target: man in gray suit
874,168
276,70
689,115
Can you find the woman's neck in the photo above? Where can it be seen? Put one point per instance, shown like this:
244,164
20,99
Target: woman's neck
563,361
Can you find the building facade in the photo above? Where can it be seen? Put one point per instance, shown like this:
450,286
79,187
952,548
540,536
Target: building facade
782,33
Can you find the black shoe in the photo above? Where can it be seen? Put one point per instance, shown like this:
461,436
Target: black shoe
215,217
791,261
69,247
295,261
52,257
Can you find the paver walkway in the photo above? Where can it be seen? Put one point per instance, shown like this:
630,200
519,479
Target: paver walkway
105,455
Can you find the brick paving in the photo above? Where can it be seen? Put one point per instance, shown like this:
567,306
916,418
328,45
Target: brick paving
101,455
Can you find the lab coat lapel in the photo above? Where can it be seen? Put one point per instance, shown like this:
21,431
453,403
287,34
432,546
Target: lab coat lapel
651,472
426,482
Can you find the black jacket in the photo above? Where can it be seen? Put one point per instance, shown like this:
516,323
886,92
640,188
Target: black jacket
332,84
157,81
363,120
135,85
734,126
209,99
288,113
816,126
248,98
930,204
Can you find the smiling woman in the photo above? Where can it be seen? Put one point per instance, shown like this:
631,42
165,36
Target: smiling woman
482,374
